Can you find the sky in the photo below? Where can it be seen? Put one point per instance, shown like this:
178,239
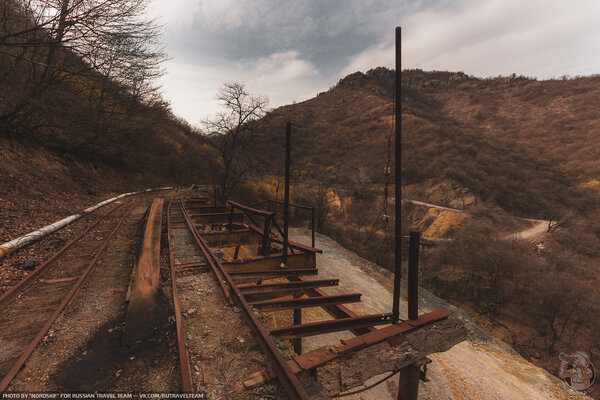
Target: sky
290,50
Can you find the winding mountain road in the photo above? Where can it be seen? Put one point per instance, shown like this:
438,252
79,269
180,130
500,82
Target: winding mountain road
540,227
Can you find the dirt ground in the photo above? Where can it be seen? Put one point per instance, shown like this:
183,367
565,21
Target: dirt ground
83,350
479,368
39,187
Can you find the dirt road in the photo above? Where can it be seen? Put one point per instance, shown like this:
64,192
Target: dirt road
538,229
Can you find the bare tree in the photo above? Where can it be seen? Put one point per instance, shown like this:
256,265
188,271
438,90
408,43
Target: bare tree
230,129
559,219
84,43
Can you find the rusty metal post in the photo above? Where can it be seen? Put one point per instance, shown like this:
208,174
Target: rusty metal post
266,234
286,197
408,386
398,189
413,275
297,321
230,225
312,216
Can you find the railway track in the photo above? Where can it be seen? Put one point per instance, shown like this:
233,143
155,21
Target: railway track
239,294
240,248
29,309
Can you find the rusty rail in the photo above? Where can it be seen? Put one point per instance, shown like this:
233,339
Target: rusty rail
184,360
286,376
10,375
235,277
29,279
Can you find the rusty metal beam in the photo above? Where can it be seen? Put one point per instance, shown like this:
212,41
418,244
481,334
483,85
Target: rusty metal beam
305,302
251,210
205,209
295,245
198,200
286,287
336,310
192,265
217,218
288,379
184,361
249,276
273,261
232,238
206,252
398,180
323,354
406,333
291,205
286,201
336,325
408,384
142,308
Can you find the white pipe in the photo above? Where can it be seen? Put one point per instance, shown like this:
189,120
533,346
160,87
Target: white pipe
35,235
24,240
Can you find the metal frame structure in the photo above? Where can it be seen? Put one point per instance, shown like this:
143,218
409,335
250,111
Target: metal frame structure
262,282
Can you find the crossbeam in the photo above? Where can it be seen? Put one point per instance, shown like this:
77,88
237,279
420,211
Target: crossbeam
249,276
272,262
204,209
336,325
290,304
242,237
286,286
213,218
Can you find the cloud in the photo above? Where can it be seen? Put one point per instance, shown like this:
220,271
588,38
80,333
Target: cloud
283,77
381,55
292,50
488,38
281,67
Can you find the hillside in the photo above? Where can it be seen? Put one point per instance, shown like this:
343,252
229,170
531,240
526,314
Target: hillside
80,114
502,151
528,147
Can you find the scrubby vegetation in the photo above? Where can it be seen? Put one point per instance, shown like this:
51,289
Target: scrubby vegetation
530,155
499,148
542,302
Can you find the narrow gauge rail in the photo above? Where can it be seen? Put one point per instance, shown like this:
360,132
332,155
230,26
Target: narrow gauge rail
28,309
251,275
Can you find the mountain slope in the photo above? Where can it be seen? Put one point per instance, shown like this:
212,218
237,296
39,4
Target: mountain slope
523,145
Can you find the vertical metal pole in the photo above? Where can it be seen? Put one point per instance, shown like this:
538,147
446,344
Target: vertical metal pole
297,321
413,275
398,172
408,386
312,211
230,225
266,237
297,343
286,198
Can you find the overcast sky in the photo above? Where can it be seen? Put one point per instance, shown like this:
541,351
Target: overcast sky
290,50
